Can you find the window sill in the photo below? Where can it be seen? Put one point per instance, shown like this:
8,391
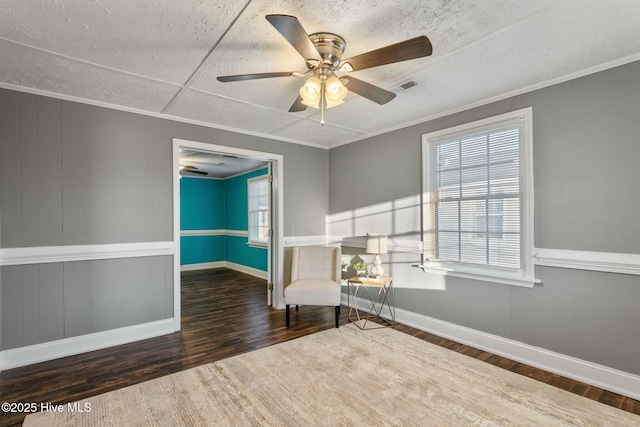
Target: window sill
258,245
504,278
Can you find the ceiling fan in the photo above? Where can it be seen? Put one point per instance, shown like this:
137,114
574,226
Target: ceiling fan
322,53
191,169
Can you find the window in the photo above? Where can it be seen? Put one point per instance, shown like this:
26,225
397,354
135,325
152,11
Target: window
259,224
478,193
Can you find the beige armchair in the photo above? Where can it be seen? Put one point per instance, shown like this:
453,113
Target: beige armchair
316,275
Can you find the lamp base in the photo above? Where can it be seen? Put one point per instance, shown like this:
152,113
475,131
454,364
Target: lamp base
376,268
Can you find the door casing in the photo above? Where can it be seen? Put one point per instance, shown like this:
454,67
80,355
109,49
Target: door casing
277,209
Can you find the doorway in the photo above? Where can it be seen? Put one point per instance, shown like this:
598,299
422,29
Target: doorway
274,245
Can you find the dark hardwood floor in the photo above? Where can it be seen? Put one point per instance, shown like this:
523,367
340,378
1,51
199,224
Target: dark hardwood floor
224,313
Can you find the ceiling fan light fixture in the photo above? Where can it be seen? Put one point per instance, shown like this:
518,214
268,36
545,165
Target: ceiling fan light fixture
311,92
346,67
322,53
335,92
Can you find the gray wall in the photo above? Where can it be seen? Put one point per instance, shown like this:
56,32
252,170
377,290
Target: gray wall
48,302
586,157
75,174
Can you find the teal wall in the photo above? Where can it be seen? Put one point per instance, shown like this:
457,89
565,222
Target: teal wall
237,251
201,208
199,249
201,204
209,204
236,199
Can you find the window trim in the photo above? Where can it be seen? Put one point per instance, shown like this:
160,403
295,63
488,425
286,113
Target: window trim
525,276
250,242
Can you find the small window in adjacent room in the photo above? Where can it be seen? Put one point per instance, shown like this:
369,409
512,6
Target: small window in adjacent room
259,223
478,200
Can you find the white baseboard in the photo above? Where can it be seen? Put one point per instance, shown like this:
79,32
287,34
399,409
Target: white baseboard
594,374
202,266
37,353
261,274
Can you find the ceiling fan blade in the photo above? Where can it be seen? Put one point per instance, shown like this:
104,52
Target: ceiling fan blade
403,51
297,105
240,77
193,171
292,30
369,91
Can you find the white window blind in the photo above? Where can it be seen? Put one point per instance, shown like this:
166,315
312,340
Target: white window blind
477,208
258,191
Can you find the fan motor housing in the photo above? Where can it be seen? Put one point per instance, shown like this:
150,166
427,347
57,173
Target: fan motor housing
330,47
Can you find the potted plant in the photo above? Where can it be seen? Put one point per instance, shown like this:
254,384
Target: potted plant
361,268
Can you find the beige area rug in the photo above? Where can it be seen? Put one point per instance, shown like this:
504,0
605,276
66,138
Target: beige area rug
343,377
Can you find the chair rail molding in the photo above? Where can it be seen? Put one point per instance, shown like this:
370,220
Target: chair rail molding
216,232
293,241
609,262
50,254
394,245
236,233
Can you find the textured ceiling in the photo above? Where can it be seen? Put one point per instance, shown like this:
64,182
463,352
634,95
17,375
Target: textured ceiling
216,165
163,57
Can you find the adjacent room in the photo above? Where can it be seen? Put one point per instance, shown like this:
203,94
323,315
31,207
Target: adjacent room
221,195
266,212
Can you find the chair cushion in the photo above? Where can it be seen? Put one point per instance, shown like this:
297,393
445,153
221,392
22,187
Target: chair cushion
315,262
313,292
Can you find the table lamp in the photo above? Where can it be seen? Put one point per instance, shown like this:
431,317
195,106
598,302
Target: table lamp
377,244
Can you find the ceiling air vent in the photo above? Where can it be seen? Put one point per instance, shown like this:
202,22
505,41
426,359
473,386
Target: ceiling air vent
407,85
404,86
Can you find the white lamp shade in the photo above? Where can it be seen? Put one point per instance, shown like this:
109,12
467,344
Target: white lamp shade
310,92
334,92
376,243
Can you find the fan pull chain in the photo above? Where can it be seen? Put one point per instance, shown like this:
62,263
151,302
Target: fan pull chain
322,102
